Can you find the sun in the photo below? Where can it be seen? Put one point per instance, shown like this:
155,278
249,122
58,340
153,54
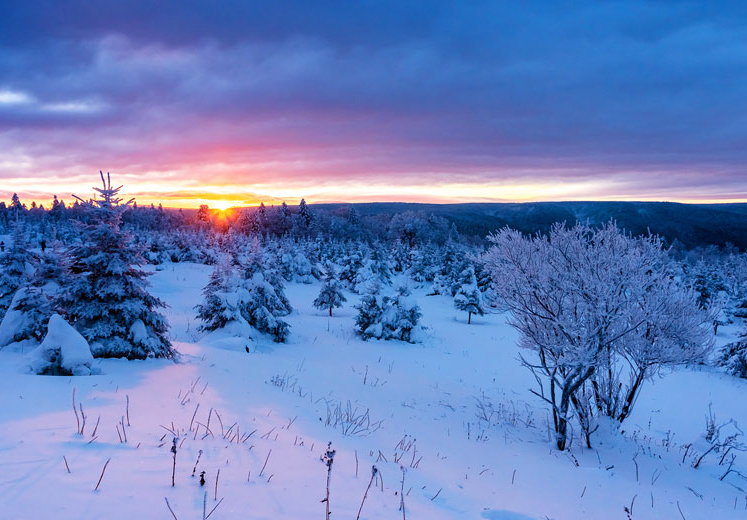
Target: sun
222,205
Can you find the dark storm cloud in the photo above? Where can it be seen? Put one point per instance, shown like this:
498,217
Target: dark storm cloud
430,91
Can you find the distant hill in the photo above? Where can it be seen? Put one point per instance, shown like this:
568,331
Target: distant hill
694,225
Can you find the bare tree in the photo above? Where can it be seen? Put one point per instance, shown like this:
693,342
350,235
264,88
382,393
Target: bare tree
585,302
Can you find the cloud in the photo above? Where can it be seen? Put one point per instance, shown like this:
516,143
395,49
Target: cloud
618,99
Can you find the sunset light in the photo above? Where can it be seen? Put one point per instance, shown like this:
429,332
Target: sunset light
355,104
373,259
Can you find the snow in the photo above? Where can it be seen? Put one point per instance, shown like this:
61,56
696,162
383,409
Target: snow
63,348
13,322
418,405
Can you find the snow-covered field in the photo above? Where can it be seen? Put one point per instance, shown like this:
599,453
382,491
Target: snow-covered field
454,411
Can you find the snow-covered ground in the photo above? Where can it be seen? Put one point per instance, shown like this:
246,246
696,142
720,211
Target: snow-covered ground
455,412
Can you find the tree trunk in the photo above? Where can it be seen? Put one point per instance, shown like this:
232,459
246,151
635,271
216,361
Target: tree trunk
330,311
469,318
632,394
562,426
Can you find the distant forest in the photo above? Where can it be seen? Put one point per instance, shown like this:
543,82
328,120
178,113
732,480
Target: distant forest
682,226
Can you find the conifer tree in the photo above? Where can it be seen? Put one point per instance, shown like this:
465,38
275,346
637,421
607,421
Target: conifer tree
469,297
263,306
330,295
371,308
13,268
305,216
222,303
405,316
107,299
36,302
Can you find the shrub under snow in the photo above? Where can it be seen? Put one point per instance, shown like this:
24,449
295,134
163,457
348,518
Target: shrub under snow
388,317
734,358
64,352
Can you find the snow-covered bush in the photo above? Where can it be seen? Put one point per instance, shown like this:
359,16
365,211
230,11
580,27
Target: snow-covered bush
388,317
600,313
330,294
297,268
108,291
63,352
440,285
734,358
468,297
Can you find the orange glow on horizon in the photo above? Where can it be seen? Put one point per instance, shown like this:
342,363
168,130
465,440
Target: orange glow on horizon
190,195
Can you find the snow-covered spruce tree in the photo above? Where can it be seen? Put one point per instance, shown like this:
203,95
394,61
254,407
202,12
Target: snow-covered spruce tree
402,318
34,303
468,297
304,218
256,261
107,299
303,270
388,317
222,301
368,321
330,295
352,264
246,297
379,266
263,308
13,272
600,314
733,357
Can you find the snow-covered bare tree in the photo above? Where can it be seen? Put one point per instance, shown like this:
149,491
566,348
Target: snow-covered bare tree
330,294
107,299
587,300
469,297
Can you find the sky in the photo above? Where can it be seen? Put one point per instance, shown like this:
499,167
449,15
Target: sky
234,102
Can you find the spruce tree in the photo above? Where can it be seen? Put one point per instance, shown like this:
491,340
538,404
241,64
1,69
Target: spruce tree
734,358
263,306
469,297
405,316
368,321
13,268
305,217
36,301
222,303
330,295
107,299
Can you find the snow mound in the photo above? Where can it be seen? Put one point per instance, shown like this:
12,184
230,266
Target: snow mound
63,352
